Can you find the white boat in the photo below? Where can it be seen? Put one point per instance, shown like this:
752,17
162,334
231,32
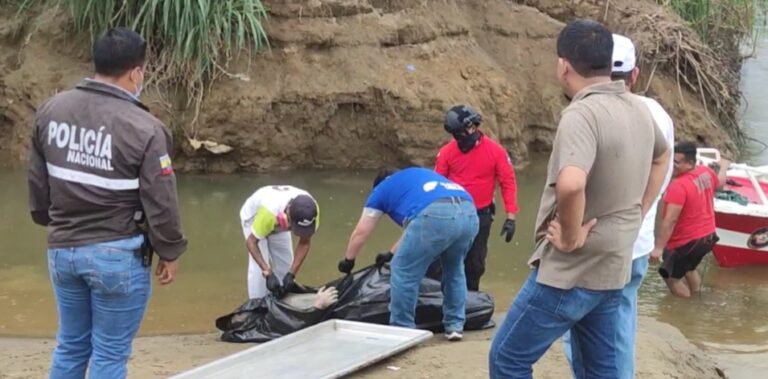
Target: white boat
741,225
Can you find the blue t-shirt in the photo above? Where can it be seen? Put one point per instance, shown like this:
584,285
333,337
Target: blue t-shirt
405,193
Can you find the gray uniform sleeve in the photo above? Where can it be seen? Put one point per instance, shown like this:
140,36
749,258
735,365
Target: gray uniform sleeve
157,190
37,179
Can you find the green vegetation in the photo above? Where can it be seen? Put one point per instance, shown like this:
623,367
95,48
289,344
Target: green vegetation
191,41
715,20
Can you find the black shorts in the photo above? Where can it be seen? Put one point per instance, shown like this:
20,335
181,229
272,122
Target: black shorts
678,261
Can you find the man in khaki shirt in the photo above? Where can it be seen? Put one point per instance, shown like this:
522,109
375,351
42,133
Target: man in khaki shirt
607,165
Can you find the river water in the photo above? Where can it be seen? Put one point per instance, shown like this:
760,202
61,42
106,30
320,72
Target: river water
728,318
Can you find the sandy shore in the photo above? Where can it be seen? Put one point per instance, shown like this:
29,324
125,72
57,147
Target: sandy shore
663,352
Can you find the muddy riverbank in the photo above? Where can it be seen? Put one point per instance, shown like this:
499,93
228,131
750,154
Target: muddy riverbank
358,84
663,352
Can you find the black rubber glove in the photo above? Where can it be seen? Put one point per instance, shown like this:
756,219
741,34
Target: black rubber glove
382,258
509,229
288,282
346,265
273,285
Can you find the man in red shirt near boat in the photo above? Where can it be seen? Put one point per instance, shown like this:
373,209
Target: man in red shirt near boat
687,231
477,162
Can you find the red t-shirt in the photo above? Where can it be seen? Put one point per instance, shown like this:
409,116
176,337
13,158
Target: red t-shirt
478,170
695,192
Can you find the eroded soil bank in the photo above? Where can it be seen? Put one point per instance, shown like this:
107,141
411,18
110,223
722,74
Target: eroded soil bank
356,83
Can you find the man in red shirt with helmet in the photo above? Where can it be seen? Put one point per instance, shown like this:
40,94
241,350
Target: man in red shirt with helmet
477,163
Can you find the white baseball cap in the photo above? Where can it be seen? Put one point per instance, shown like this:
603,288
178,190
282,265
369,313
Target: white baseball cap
623,54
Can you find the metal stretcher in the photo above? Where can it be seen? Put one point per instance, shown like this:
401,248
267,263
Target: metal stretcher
331,349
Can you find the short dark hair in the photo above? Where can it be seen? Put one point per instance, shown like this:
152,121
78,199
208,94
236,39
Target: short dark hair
588,46
118,51
625,76
383,174
688,149
386,172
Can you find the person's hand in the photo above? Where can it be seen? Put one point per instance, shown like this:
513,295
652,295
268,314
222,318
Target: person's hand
326,297
346,265
166,271
555,236
382,258
288,282
509,229
656,255
273,285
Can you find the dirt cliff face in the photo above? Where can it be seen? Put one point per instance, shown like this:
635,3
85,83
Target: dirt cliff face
346,84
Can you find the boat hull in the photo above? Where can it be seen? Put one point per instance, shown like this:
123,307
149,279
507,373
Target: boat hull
743,240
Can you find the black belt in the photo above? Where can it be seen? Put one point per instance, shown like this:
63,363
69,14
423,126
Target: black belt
489,210
452,199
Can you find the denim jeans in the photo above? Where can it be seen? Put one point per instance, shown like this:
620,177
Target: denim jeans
541,314
627,330
474,263
101,293
445,230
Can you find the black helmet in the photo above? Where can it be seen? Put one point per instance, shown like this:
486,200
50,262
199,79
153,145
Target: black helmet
460,118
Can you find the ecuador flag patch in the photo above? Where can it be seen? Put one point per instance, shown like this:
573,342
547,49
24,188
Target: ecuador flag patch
165,165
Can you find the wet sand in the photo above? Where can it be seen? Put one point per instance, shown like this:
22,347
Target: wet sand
663,352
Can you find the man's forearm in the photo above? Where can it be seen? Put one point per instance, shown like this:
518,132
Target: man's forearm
302,249
356,242
253,248
722,173
664,233
570,213
655,181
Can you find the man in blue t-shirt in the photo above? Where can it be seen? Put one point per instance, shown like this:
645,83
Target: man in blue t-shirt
439,219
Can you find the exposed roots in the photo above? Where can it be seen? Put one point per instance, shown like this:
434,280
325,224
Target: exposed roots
676,48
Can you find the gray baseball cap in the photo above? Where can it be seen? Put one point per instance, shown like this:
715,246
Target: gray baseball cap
303,213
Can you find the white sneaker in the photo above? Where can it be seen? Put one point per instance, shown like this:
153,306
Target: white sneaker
453,336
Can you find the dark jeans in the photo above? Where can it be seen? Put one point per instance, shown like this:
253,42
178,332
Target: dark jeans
474,263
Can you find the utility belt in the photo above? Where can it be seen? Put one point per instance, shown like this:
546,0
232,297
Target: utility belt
145,251
489,210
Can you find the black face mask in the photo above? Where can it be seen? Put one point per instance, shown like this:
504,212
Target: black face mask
467,141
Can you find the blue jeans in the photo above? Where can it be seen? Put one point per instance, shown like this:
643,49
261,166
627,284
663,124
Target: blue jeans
101,293
625,348
541,314
445,230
